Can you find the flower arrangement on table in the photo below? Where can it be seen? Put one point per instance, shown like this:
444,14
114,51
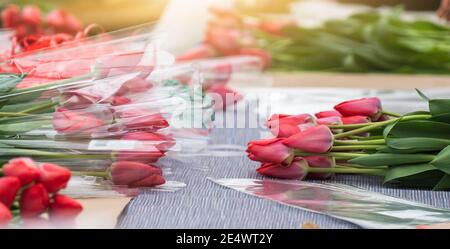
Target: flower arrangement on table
359,137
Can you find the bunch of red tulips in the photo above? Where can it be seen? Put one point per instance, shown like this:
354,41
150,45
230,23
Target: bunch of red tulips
30,190
306,146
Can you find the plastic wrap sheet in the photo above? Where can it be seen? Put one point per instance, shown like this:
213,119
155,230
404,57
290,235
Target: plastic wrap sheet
361,207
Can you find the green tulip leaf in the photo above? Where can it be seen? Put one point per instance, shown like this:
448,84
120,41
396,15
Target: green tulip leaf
27,105
443,184
420,128
9,81
419,144
387,149
445,118
388,159
426,179
439,106
396,172
422,95
22,127
442,160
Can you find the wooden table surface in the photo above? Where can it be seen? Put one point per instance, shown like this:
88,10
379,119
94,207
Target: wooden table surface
353,80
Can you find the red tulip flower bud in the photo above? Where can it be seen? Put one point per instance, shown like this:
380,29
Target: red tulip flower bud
269,151
287,130
134,174
296,170
318,139
63,22
370,107
34,201
31,15
5,215
9,186
160,141
223,96
140,119
326,114
67,121
120,100
11,16
329,121
80,98
64,207
355,120
53,177
279,119
136,85
23,168
320,162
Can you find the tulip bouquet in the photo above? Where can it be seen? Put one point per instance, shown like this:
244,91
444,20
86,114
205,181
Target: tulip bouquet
119,126
359,137
28,190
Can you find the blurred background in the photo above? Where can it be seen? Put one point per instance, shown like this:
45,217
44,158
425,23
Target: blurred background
115,14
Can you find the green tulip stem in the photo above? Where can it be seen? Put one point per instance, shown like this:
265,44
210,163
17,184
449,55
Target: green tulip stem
13,114
39,153
364,142
392,114
376,125
338,155
355,147
39,107
361,138
347,170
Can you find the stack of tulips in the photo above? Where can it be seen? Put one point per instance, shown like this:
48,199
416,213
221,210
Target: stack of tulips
101,102
118,125
29,190
32,31
359,137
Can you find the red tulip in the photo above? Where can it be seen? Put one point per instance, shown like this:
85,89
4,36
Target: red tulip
64,207
370,107
287,130
160,141
318,139
329,121
9,186
11,16
67,121
326,114
320,162
297,169
63,22
134,174
5,215
276,27
23,168
279,119
136,85
120,100
148,152
355,120
54,177
140,119
269,151
34,201
223,96
80,98
31,15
